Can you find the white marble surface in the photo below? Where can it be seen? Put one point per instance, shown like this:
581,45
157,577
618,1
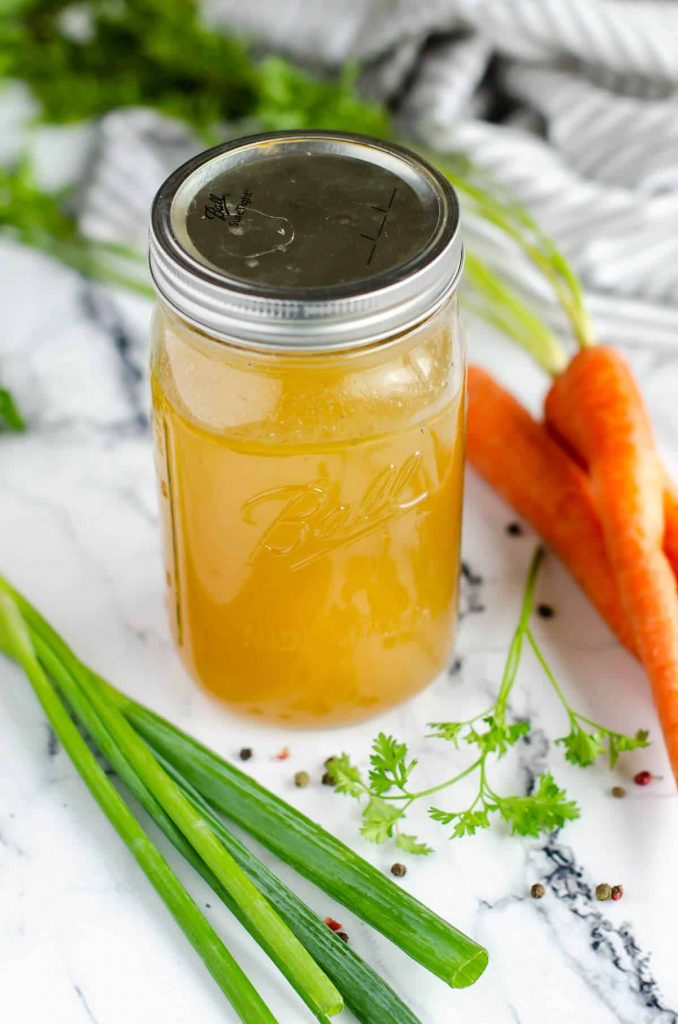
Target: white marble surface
82,936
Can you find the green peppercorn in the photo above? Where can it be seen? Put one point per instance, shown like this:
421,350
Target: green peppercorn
302,779
618,792
537,891
603,891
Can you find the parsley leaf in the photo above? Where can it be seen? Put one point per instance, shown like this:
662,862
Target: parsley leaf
346,776
618,743
410,844
447,731
542,811
378,820
582,748
498,736
390,767
466,823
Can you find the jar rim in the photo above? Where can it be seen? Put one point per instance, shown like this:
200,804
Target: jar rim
268,314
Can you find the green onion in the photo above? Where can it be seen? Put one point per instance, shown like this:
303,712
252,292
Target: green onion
365,992
266,924
312,851
15,640
315,853
367,995
371,999
296,839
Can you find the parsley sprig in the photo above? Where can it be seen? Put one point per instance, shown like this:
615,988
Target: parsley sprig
387,791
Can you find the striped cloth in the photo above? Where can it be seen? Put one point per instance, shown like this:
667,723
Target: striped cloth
571,105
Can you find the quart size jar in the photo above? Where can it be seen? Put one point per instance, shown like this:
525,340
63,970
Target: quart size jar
308,375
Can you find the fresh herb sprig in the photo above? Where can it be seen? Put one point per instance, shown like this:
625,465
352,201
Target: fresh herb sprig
83,60
588,740
387,792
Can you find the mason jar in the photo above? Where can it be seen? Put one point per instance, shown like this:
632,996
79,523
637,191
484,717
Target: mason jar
308,379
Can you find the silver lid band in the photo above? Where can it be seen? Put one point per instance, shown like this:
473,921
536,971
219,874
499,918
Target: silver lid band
260,242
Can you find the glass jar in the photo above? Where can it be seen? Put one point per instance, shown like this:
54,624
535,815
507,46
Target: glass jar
309,407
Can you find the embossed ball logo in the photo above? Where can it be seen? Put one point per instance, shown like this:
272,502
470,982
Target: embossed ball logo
247,232
308,521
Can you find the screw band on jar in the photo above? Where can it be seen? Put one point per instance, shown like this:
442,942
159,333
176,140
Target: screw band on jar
313,240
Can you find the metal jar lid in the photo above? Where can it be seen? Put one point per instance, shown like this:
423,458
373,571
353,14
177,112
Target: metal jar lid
305,240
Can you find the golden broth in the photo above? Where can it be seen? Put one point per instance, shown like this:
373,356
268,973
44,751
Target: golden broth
312,509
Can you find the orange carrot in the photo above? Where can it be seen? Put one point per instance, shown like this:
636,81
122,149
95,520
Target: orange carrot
596,406
671,525
519,458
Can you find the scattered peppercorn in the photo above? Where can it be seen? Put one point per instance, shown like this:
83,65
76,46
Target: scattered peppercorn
545,610
328,780
643,778
617,892
618,792
343,936
302,779
283,754
245,754
399,870
537,891
603,891
334,925
514,529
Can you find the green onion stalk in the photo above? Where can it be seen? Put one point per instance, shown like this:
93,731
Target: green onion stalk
15,640
296,839
366,994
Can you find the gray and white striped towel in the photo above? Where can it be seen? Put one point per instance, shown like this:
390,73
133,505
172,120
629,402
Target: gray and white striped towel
571,104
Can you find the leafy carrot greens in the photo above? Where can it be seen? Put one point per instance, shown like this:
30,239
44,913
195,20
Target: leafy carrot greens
490,734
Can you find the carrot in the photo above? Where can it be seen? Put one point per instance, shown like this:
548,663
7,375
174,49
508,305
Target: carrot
596,406
519,458
671,525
